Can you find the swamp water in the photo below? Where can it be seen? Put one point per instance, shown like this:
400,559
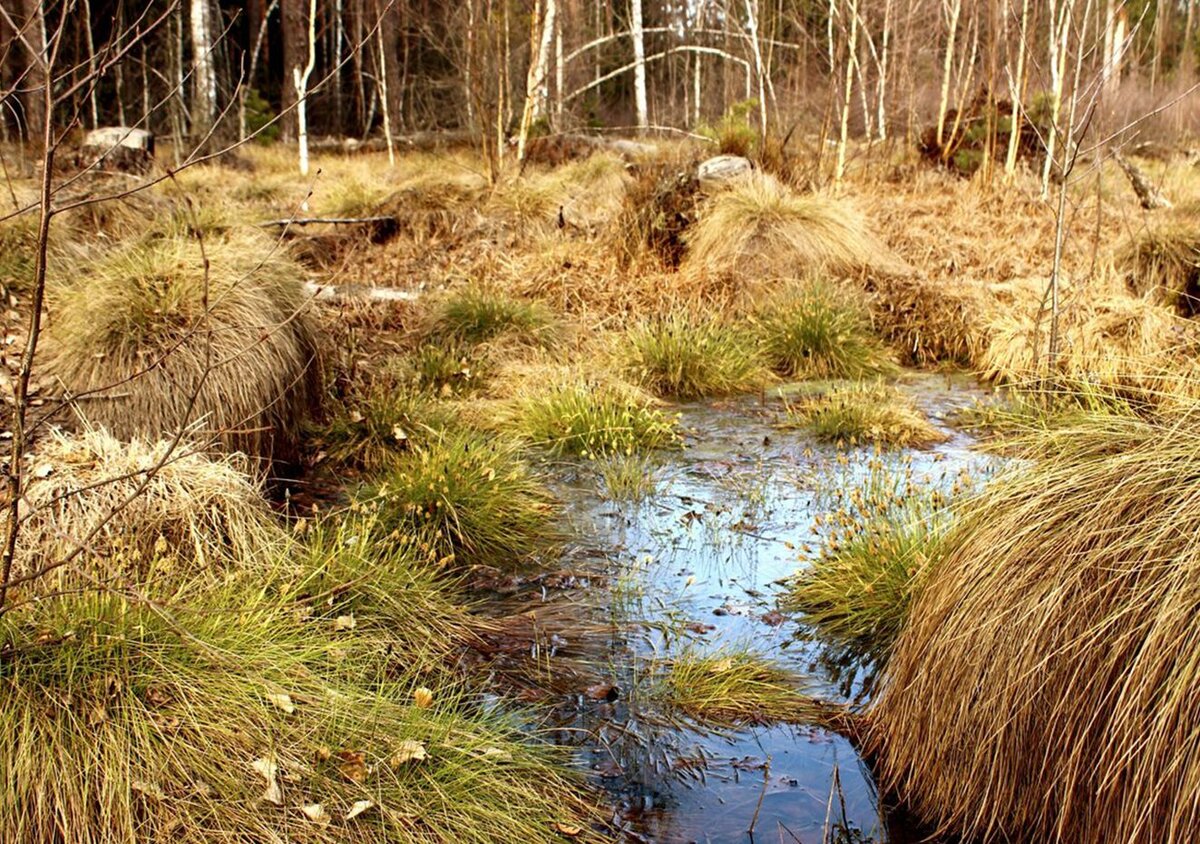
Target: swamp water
695,567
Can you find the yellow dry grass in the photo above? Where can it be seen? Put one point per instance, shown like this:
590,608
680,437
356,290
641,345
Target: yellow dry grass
147,341
141,509
1046,686
759,229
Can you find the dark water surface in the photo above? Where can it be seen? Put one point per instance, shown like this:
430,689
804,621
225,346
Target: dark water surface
696,567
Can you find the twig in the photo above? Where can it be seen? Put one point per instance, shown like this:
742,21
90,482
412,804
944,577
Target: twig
761,795
333,221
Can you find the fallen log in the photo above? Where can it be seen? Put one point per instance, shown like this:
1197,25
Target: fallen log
346,292
333,221
1149,196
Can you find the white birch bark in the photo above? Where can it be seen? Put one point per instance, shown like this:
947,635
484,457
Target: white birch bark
300,80
204,106
637,31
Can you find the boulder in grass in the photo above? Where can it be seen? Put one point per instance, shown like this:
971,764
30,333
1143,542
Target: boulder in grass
723,170
118,148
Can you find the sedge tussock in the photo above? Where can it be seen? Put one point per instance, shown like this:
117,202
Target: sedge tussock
368,431
876,546
735,686
1045,687
1163,262
760,229
689,357
475,314
467,498
246,713
147,342
816,330
593,419
870,412
154,510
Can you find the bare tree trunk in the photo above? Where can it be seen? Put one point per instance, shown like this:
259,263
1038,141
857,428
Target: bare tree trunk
759,71
1017,94
300,80
292,18
848,94
952,10
637,32
541,35
33,36
204,75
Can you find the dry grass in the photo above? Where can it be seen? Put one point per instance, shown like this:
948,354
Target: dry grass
761,230
1163,261
690,357
146,329
1046,686
195,513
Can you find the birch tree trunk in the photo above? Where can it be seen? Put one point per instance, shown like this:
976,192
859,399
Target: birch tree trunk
204,74
1017,93
300,80
759,71
637,31
952,10
848,94
292,21
541,35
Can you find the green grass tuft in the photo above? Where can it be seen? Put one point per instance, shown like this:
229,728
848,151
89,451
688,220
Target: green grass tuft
475,315
732,687
688,358
877,547
816,331
367,432
594,420
466,498
864,413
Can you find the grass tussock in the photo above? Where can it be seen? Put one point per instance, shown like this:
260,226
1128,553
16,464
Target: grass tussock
1163,262
594,419
466,498
876,547
687,357
141,509
474,315
930,323
1045,687
735,686
368,431
816,330
147,342
760,229
249,711
628,477
870,412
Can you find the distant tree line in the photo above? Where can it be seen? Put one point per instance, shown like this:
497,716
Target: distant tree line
498,68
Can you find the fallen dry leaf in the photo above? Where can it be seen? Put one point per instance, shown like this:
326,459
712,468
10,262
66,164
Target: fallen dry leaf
345,622
423,698
358,808
408,751
316,813
270,772
497,754
569,830
283,701
353,765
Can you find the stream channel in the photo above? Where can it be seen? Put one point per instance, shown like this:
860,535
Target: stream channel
696,565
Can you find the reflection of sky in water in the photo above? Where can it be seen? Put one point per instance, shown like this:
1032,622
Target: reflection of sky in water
731,517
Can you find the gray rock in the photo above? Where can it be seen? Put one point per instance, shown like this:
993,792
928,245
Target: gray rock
723,170
108,137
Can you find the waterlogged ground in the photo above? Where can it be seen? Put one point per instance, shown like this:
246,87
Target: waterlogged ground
696,566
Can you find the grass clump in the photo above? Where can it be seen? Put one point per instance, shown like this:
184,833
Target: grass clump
594,420
815,331
142,509
476,315
733,687
876,549
1164,261
147,328
688,358
367,432
1045,687
467,498
628,477
247,709
864,413
760,229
